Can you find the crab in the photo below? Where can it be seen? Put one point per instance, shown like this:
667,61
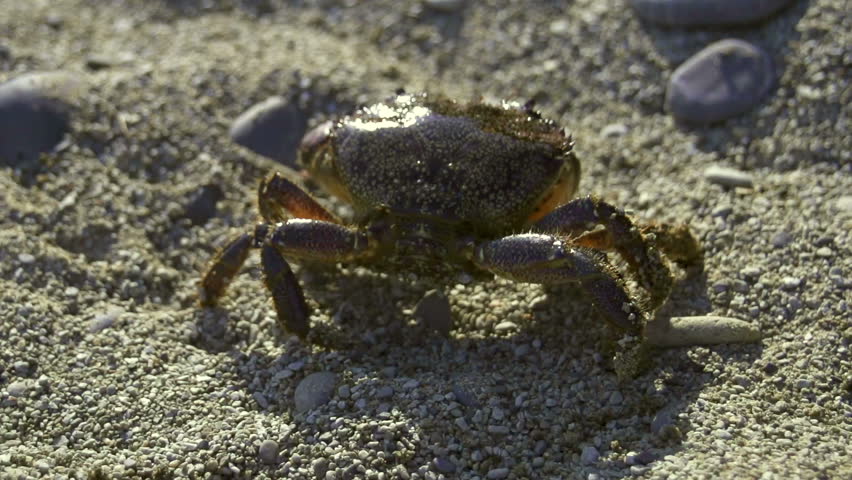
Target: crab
442,188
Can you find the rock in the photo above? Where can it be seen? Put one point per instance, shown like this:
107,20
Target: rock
724,79
201,205
104,320
703,13
384,392
505,326
614,130
433,310
445,6
589,456
273,128
700,330
18,389
268,452
314,390
443,465
728,177
465,397
497,473
35,111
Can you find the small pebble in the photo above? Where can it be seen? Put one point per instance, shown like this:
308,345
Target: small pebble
725,79
614,130
715,13
314,390
781,239
465,397
824,252
843,204
273,128
201,205
505,326
443,465
18,389
790,283
589,456
384,392
268,452
104,320
498,473
445,6
26,258
700,330
728,177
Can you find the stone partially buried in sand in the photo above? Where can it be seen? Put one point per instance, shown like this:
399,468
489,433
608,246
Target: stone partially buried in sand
272,128
34,115
725,79
706,13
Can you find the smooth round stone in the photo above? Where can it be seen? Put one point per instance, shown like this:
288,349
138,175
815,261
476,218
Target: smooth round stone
725,79
268,452
34,115
273,128
705,13
315,390
700,330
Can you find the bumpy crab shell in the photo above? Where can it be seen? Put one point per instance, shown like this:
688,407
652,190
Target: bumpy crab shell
491,167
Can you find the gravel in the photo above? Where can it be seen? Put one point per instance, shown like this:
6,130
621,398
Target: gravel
109,369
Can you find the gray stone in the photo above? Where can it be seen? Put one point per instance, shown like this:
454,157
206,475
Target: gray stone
268,452
589,456
729,177
700,330
446,6
433,310
35,115
498,473
314,390
703,13
443,465
723,80
273,128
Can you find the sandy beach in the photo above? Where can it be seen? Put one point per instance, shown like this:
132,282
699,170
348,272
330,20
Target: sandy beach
110,369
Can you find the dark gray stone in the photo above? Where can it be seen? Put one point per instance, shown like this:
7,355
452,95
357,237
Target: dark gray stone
725,79
315,390
443,465
201,206
34,116
706,13
273,128
434,311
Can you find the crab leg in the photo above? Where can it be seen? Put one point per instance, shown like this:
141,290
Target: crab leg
277,194
537,258
223,267
621,234
287,295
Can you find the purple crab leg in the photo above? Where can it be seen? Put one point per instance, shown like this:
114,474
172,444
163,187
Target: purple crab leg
577,217
538,258
287,295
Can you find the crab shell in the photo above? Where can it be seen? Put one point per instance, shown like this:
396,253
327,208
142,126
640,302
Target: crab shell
493,168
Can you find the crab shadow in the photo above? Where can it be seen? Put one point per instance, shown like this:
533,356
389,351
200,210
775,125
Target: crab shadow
436,385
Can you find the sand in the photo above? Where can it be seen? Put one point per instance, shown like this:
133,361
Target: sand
109,369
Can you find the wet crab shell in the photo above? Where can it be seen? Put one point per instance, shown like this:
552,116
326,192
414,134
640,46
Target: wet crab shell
492,167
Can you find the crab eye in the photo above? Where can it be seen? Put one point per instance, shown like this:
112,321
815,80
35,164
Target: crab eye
315,138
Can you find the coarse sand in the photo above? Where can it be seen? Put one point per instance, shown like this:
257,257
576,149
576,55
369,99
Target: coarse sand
109,369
